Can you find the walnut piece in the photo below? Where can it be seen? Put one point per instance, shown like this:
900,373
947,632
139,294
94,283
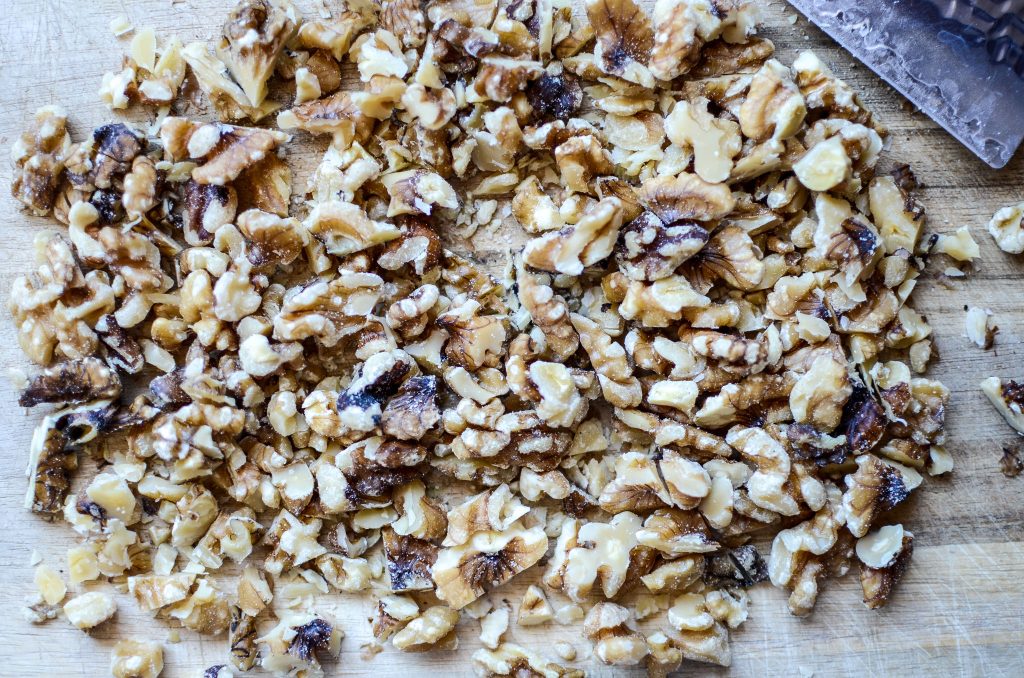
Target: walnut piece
1007,228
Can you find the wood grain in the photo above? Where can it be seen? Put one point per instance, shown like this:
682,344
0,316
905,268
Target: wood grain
960,608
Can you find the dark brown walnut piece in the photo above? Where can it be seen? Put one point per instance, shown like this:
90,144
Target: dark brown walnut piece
311,638
725,58
555,96
106,159
74,381
863,421
650,250
409,561
167,391
207,207
809,444
265,186
741,566
371,484
1010,463
242,640
413,411
53,454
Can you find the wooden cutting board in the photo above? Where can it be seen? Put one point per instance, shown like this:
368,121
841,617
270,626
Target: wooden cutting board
960,609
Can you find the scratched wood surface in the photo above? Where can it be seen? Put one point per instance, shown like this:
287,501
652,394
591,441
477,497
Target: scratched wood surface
958,612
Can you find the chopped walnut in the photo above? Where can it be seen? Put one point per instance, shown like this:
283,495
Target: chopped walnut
1007,228
714,142
90,609
254,36
433,629
701,329
38,157
1010,463
1007,398
572,248
488,559
136,659
509,659
616,640
884,555
980,330
624,39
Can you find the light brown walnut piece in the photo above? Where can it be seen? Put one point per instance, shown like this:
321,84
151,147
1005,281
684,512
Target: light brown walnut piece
819,395
88,610
229,100
420,516
336,114
393,612
464,572
418,192
572,248
898,215
550,314
980,329
345,228
271,239
1008,399
873,489
823,90
495,510
685,196
884,555
38,158
616,641
325,310
140,187
535,211
581,159
1007,228
136,659
774,107
509,659
624,39
413,411
499,79
619,386
713,141
675,532
255,34
475,339
434,629
681,28
597,553
637,486
404,19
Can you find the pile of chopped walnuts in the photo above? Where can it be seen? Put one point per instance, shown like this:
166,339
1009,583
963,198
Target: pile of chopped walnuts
705,344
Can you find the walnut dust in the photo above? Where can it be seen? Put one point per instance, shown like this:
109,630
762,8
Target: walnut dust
704,346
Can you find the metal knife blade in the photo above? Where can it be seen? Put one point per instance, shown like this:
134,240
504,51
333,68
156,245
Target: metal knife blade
957,61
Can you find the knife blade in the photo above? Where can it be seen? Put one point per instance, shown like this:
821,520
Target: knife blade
961,62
